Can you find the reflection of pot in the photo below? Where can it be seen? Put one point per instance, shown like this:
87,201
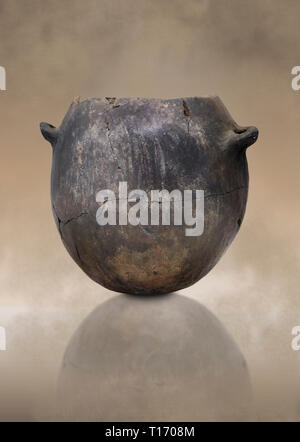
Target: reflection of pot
148,358
152,144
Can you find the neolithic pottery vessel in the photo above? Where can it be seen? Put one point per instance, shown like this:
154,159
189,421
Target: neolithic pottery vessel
111,155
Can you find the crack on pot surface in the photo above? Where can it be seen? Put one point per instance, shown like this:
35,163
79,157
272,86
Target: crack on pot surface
73,218
58,221
111,101
187,114
155,201
78,254
108,137
109,141
226,193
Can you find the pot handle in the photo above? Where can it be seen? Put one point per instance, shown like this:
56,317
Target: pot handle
49,132
243,137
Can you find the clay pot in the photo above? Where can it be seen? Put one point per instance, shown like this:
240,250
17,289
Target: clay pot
151,144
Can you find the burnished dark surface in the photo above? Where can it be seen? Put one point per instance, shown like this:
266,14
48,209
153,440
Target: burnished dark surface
190,143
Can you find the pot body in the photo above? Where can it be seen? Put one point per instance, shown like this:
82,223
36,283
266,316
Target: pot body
149,144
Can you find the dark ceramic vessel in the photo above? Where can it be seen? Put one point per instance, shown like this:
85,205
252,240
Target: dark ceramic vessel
190,143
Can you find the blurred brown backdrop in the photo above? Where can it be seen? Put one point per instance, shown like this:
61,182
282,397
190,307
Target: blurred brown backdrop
242,51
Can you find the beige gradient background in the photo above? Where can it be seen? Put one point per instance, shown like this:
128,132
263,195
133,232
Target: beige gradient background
242,51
